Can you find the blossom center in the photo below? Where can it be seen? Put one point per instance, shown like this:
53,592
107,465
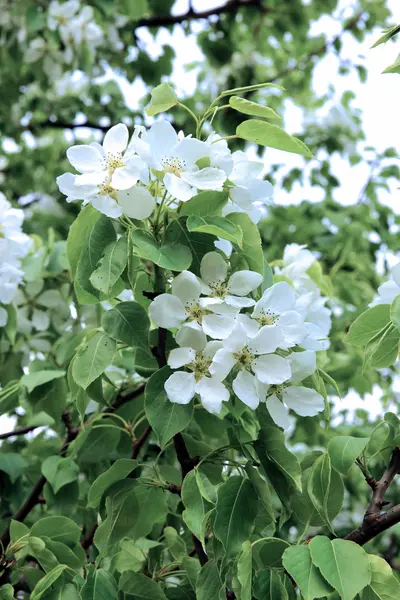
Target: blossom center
200,366
105,189
244,358
195,312
219,290
173,165
113,161
267,318
278,390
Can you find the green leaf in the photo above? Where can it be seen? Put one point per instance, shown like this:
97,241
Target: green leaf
269,585
100,585
205,204
387,349
37,378
395,312
237,507
134,10
343,564
60,529
111,265
13,464
245,571
251,248
6,592
343,451
192,568
252,108
166,418
265,134
388,33
128,323
319,484
90,363
198,243
297,562
271,444
163,98
250,88
47,581
12,322
129,557
18,530
394,67
384,584
78,235
262,489
218,226
97,239
123,512
175,543
140,586
196,507
209,582
65,555
97,444
59,471
268,552
171,255
119,470
368,325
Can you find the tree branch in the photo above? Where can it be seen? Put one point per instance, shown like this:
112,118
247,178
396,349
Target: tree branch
375,522
18,431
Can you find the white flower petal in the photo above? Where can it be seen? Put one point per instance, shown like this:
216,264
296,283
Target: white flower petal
162,138
237,339
40,320
205,179
136,202
242,283
218,326
178,357
278,412
292,325
213,268
239,302
180,387
278,298
191,150
271,369
245,389
212,394
167,311
396,273
178,188
116,139
107,206
124,178
224,245
266,340
303,364
93,179
84,158
222,364
306,402
250,325
212,348
192,336
187,287
3,317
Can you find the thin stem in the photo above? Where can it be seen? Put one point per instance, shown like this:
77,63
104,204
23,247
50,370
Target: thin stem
190,112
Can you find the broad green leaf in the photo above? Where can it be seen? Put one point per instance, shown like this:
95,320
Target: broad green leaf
6,592
122,511
166,418
98,444
65,555
251,248
270,585
13,464
262,489
265,134
128,323
10,327
236,510
78,234
343,564
395,312
37,378
59,471
368,325
18,530
163,98
111,265
192,568
319,484
47,581
394,67
384,585
195,505
219,226
198,243
387,349
209,582
140,586
175,543
343,451
271,443
205,204
172,255
268,552
245,571
119,470
93,360
252,108
297,562
129,557
304,508
50,397
97,239
387,34
134,10
60,529
153,509
100,585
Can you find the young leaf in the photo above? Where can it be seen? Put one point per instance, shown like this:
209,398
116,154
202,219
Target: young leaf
172,255
99,585
297,562
163,98
205,204
343,564
60,529
343,451
175,543
93,360
78,235
140,586
37,378
395,312
384,584
265,134
245,571
268,553
119,470
271,444
237,507
111,265
387,349
166,418
219,226
262,489
59,471
128,323
319,484
13,464
253,109
196,507
47,581
368,325
251,248
209,582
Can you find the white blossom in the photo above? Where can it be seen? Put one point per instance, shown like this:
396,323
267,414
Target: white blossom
389,290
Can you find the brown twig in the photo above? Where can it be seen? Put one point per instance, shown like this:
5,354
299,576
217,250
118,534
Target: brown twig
88,539
18,431
138,444
375,522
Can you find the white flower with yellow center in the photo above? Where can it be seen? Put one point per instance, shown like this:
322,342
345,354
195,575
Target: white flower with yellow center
254,358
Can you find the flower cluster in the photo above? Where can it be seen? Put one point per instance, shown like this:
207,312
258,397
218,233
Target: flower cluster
14,245
226,337
131,176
